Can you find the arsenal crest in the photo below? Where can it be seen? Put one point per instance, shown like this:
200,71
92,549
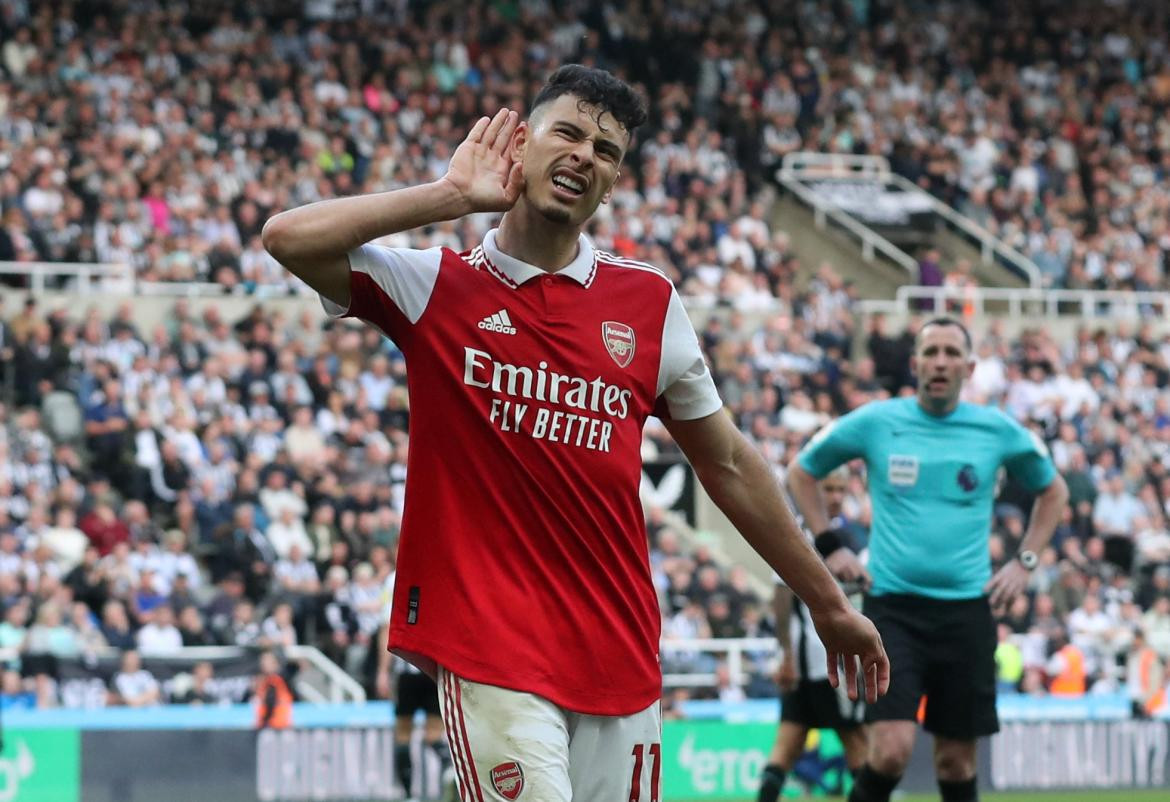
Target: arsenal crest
619,341
508,778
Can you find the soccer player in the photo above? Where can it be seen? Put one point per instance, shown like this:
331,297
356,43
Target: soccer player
808,700
932,466
533,360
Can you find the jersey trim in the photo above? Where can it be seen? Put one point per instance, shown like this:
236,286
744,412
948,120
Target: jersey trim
633,264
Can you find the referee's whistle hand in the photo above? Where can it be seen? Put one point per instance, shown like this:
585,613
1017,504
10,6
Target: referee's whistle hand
851,639
1008,582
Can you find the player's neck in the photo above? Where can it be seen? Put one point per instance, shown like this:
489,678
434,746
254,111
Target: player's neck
529,236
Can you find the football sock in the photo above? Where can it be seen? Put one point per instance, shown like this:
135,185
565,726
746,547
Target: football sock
442,749
771,783
959,791
443,752
872,786
402,766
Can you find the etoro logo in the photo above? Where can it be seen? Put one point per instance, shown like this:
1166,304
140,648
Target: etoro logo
15,770
508,779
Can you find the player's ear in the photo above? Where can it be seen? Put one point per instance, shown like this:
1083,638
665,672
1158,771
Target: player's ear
520,141
609,192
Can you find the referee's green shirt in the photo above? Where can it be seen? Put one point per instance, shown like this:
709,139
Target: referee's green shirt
932,484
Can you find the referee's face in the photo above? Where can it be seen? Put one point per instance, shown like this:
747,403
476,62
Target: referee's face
941,363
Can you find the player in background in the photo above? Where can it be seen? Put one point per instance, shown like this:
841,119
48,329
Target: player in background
412,691
932,464
807,699
534,360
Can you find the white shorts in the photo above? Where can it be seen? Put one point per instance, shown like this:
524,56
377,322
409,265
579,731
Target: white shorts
508,745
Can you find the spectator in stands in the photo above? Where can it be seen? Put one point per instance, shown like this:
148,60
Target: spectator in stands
133,685
1156,626
191,628
196,690
50,636
1115,516
277,631
14,630
116,627
103,528
90,639
159,635
243,630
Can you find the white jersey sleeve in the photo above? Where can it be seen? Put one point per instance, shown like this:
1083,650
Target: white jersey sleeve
684,381
407,276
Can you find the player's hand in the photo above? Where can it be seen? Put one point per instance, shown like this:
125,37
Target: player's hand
845,567
482,169
849,637
382,684
786,676
1008,582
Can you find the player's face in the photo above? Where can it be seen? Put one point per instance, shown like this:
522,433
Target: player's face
571,157
941,363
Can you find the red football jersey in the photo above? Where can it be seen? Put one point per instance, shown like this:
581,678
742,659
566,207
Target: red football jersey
523,558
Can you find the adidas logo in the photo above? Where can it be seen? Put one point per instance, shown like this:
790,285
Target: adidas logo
499,322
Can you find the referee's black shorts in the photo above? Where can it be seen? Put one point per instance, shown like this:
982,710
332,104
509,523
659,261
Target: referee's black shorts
816,704
943,650
416,692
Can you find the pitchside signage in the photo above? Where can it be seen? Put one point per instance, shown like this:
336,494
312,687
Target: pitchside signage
670,485
707,760
1089,754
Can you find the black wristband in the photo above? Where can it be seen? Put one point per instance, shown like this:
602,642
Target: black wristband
829,541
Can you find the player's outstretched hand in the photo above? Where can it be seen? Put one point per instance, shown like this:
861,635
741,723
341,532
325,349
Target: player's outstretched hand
1008,582
850,637
482,168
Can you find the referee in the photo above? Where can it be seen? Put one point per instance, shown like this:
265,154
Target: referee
932,465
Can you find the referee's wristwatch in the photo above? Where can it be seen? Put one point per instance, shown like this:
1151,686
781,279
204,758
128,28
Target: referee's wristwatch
1028,559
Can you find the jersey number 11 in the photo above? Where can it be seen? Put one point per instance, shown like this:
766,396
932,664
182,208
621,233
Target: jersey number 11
655,751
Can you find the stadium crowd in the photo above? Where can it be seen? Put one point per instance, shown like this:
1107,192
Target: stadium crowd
240,482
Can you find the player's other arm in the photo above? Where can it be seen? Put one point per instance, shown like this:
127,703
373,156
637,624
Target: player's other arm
1027,460
740,482
1047,509
313,241
782,609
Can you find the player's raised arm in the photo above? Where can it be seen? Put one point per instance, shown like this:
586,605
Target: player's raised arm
312,241
740,482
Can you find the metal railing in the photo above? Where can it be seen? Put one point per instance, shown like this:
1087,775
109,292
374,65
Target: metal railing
735,651
990,246
824,210
340,686
1021,301
87,276
320,679
805,165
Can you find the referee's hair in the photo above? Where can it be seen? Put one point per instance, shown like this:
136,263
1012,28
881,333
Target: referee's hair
945,321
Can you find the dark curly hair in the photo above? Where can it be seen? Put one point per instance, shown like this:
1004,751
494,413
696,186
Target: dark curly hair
597,89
